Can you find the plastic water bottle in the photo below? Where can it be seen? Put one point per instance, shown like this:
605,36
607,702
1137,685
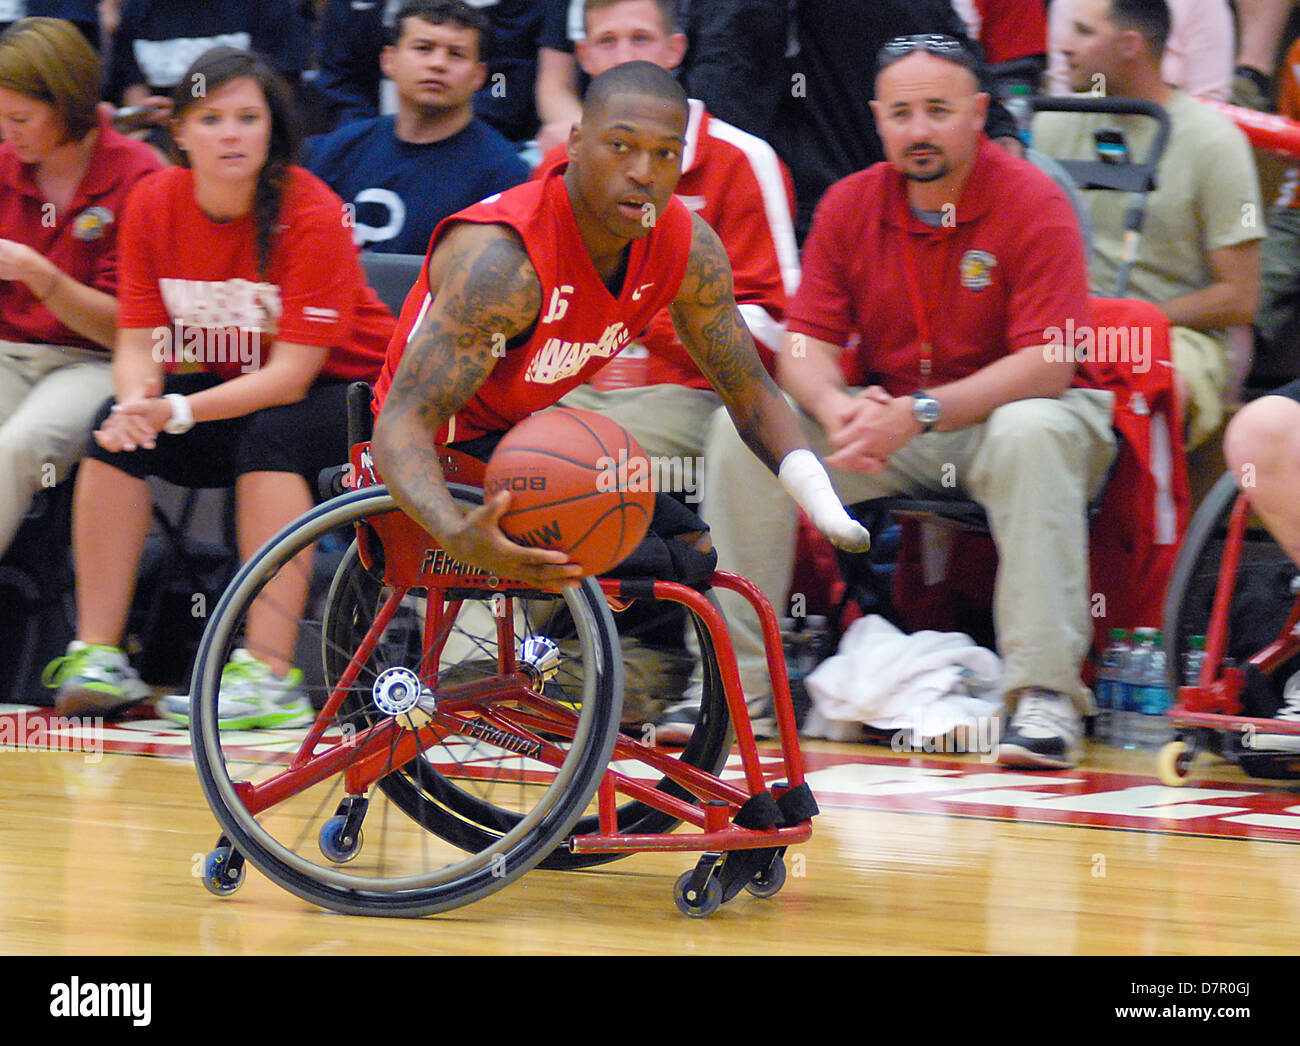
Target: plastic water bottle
1193,660
1126,715
1017,104
1110,685
1153,699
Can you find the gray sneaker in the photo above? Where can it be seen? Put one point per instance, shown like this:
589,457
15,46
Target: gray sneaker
1288,713
679,721
1045,733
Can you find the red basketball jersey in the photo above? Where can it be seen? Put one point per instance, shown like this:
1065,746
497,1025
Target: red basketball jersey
581,325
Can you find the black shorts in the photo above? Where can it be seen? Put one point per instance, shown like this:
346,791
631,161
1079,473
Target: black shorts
303,438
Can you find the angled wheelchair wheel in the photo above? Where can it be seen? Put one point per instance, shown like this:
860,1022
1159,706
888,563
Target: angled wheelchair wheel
458,808
424,699
1263,591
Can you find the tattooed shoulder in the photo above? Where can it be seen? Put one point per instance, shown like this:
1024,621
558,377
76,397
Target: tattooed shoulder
488,294
708,279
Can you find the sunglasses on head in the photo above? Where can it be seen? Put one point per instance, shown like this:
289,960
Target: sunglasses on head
937,44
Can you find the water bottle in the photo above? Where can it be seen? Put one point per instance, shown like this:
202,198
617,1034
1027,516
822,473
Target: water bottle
1126,716
1193,660
1110,685
1017,104
1153,700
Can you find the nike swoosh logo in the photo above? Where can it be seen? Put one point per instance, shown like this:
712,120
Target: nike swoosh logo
636,294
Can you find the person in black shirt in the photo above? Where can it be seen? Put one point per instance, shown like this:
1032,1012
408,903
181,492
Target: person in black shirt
801,76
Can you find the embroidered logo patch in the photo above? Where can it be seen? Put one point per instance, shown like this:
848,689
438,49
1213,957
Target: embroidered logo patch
977,269
91,223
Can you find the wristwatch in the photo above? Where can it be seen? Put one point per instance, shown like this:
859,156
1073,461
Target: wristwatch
926,410
182,419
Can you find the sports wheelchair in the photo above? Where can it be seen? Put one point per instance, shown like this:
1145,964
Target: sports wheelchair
1234,585
468,728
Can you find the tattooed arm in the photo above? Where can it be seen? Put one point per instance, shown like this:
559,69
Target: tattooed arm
714,333
485,289
711,328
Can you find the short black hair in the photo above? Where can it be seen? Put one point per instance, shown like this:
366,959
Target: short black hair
1148,17
440,12
634,78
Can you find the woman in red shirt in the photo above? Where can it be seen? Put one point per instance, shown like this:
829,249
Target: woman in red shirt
243,264
64,176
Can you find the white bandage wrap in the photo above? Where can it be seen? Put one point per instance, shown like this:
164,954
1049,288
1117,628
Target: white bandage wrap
805,480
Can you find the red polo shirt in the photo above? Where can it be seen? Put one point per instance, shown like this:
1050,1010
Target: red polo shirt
1005,267
80,239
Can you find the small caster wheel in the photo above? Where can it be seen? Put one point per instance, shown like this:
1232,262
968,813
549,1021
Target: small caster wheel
768,882
697,904
222,875
1173,762
331,841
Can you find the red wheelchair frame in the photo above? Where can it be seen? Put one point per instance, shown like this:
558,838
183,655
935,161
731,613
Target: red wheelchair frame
1213,705
742,828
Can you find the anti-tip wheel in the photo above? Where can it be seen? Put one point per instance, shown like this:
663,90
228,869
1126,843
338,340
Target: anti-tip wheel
768,882
220,876
1173,762
697,904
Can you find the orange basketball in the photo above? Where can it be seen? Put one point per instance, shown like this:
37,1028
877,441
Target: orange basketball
578,482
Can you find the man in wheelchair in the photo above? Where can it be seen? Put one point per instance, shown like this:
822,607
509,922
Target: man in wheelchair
526,294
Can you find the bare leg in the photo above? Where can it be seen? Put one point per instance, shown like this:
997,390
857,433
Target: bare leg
267,502
1261,24
110,521
1262,448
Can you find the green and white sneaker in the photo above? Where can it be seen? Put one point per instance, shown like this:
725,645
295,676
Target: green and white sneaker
252,698
91,677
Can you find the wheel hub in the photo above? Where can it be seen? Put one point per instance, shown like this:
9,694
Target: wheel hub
540,659
397,691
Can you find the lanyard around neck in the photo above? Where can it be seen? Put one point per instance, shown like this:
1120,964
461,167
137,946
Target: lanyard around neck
919,314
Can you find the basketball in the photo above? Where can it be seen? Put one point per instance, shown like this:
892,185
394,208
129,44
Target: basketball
578,482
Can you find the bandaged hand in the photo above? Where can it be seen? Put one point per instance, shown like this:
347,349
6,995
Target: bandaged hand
805,480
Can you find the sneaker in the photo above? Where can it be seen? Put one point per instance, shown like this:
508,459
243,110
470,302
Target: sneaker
679,721
92,677
1251,89
252,698
1045,733
1288,713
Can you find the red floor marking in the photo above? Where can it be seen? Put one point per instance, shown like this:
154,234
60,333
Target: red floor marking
864,779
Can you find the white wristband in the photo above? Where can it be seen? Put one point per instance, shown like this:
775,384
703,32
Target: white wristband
182,419
805,480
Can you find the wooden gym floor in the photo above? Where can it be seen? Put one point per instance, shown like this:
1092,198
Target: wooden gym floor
912,854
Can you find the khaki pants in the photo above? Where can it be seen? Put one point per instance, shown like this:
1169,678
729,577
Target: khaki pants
48,399
1033,465
669,421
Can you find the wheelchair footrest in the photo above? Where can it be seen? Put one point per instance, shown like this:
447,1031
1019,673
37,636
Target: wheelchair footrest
730,838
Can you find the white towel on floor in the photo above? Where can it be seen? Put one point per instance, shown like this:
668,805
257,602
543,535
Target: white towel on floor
928,683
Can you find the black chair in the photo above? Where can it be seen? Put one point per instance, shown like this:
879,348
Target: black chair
391,276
